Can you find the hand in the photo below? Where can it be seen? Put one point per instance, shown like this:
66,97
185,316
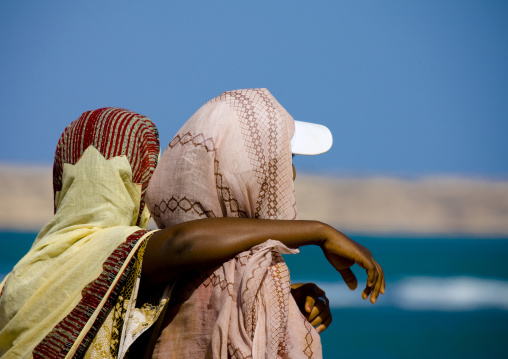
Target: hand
313,304
342,252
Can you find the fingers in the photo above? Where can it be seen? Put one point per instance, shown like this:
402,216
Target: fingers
346,253
383,287
324,325
379,288
372,275
375,283
306,295
320,316
313,298
342,252
309,304
311,292
349,277
313,304
321,306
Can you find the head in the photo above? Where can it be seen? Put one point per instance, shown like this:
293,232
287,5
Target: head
113,132
232,158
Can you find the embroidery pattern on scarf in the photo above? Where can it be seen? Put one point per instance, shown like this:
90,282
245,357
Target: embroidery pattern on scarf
249,104
172,204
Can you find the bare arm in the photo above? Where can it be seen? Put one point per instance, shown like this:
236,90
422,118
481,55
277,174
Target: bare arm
208,242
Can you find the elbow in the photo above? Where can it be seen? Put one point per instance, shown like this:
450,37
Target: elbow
182,254
179,251
166,256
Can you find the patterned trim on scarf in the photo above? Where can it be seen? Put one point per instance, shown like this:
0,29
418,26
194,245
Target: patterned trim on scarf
60,340
184,204
237,353
212,277
279,273
309,340
251,104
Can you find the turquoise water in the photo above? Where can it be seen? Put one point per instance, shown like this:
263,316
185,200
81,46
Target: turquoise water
446,297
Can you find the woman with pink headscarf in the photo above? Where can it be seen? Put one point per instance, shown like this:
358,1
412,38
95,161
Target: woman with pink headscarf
233,158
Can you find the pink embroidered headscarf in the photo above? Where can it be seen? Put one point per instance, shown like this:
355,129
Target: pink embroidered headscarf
232,158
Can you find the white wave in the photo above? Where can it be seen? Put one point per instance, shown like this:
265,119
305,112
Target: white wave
427,293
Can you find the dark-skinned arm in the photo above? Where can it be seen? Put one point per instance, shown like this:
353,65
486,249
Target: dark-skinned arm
207,242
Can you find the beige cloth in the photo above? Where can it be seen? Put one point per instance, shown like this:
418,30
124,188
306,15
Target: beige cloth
232,159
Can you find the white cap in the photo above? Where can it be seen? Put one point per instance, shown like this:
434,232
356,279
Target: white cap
310,139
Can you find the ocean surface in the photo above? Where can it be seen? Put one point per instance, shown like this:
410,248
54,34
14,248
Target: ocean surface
445,297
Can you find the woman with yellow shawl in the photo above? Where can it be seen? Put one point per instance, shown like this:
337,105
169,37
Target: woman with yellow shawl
83,268
233,158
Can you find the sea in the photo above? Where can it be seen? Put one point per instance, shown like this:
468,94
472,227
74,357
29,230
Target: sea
446,297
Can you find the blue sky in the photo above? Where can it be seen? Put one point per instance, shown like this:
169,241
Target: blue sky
411,88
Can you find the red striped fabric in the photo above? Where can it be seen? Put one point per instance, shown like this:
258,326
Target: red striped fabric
113,132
